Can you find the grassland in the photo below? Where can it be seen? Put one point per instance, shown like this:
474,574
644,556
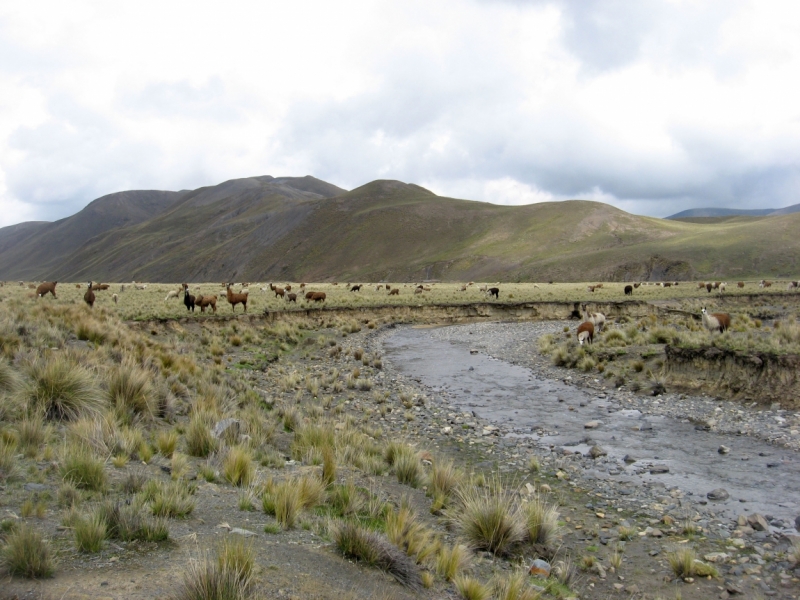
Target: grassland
108,449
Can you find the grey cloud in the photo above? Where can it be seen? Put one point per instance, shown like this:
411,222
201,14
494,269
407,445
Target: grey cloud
208,101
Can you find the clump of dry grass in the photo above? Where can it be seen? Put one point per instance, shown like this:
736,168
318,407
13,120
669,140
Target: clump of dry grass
27,554
489,518
90,533
471,588
514,587
238,466
83,469
227,576
354,541
541,521
684,563
130,392
452,560
200,440
59,389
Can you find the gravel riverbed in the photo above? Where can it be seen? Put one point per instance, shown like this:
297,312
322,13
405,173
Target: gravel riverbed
750,549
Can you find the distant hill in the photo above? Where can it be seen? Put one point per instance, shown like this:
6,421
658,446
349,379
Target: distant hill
730,212
304,229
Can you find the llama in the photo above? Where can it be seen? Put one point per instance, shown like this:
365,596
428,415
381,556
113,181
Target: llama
188,299
701,285
394,292
629,290
585,332
722,287
740,284
203,301
46,287
291,297
598,320
279,292
716,321
235,299
709,287
636,285
315,296
88,297
494,292
288,287
115,298
356,288
764,284
100,287
792,286
173,294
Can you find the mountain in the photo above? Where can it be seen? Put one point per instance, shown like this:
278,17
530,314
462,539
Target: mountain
695,213
304,229
39,248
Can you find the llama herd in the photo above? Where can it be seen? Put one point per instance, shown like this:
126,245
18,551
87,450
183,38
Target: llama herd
591,322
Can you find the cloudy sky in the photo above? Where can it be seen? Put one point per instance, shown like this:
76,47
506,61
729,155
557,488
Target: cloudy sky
653,106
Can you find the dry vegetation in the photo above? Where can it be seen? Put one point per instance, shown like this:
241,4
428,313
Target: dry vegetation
126,423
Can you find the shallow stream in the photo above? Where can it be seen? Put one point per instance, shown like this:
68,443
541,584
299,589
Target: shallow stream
758,476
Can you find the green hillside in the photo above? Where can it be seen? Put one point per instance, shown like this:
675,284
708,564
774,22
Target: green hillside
265,228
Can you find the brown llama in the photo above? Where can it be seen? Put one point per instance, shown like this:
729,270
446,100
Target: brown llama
716,321
46,287
585,333
394,292
88,297
291,297
235,299
203,301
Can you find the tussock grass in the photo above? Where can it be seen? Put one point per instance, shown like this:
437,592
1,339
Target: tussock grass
128,522
8,461
130,392
541,521
27,554
83,469
354,541
238,466
408,469
408,533
684,563
472,589
166,442
237,556
172,500
206,580
200,440
90,533
328,466
311,491
283,501
514,586
31,434
59,389
443,480
452,560
488,518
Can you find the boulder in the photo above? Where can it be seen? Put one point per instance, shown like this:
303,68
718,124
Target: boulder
718,494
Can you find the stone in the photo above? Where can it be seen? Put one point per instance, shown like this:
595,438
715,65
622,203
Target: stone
630,459
35,487
732,588
596,452
758,522
723,450
741,520
591,425
718,494
243,532
540,568
659,469
797,523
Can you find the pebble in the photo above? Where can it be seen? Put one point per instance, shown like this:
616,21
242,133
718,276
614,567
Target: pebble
718,494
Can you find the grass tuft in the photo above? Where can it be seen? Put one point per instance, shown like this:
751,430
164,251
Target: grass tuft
90,532
83,469
489,518
60,390
472,589
354,541
28,554
238,466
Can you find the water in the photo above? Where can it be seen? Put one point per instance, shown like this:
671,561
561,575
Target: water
759,477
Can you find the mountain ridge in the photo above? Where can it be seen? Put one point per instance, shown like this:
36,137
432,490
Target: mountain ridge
304,229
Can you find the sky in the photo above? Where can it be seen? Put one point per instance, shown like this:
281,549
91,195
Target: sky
653,106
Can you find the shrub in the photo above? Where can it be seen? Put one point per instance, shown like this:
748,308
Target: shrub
83,469
354,541
90,532
238,466
60,390
27,553
489,518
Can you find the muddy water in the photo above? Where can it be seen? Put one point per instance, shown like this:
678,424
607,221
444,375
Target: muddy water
759,477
